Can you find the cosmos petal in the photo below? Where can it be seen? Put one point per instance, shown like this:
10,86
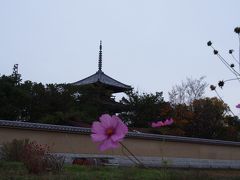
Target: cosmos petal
108,144
98,137
106,121
97,128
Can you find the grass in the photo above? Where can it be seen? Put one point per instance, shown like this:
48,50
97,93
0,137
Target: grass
16,170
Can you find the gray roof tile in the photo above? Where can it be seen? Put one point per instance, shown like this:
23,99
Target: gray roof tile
87,131
100,77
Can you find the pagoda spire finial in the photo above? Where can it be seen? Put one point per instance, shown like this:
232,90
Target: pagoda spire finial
100,57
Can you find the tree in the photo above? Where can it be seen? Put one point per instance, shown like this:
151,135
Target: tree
34,102
142,108
188,91
12,98
208,118
183,116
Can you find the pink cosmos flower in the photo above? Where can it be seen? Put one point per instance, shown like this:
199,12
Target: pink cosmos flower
109,131
238,106
167,122
157,124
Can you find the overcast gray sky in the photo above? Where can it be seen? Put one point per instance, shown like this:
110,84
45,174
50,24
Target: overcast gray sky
148,44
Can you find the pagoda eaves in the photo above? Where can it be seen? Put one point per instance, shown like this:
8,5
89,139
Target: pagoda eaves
101,79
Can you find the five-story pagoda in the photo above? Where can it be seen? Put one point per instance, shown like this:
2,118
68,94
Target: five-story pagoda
96,91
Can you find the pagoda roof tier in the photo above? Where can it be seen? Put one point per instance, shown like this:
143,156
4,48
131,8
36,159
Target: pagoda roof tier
99,78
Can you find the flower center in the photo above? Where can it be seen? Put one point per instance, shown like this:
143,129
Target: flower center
109,131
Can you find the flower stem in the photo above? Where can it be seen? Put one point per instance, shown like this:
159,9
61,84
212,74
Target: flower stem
139,162
239,52
223,101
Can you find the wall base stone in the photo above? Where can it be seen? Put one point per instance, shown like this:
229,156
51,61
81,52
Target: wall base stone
158,161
